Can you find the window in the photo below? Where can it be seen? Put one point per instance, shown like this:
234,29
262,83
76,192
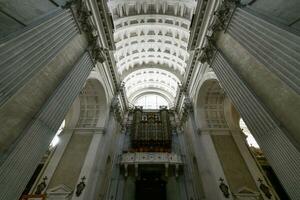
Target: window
151,101
55,139
250,139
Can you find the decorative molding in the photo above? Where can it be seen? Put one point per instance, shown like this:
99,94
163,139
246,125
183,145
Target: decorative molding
166,159
265,189
187,108
83,17
80,186
220,22
117,108
84,131
208,51
60,192
41,186
224,188
151,158
223,15
245,193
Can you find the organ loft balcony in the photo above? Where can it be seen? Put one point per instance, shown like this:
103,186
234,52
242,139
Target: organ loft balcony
151,143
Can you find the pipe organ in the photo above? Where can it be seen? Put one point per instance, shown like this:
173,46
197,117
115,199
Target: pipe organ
151,130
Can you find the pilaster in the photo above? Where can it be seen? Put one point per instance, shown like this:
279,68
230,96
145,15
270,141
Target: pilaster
208,163
86,174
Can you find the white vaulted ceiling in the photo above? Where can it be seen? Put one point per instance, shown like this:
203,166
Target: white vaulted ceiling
142,80
151,38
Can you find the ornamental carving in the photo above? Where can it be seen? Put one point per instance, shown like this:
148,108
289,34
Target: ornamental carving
80,186
83,18
151,158
40,188
208,51
224,188
186,109
222,17
116,108
265,189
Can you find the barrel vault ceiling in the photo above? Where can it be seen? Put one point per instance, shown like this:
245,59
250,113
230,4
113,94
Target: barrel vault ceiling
151,38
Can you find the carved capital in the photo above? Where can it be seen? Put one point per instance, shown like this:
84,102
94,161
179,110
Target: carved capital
83,15
186,110
116,108
223,14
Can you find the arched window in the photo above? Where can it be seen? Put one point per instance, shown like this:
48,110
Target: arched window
151,101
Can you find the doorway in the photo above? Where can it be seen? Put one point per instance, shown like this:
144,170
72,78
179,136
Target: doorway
150,187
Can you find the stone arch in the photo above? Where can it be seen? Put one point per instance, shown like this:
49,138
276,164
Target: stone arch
213,109
90,108
217,121
210,106
93,105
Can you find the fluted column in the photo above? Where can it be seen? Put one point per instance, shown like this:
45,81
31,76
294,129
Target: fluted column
280,152
278,49
27,53
20,164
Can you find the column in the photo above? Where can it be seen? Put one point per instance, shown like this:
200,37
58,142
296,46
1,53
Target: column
280,152
18,166
275,46
27,53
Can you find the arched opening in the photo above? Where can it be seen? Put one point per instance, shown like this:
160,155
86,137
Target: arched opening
218,120
151,81
216,115
151,101
156,91
86,117
210,106
93,105
90,108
